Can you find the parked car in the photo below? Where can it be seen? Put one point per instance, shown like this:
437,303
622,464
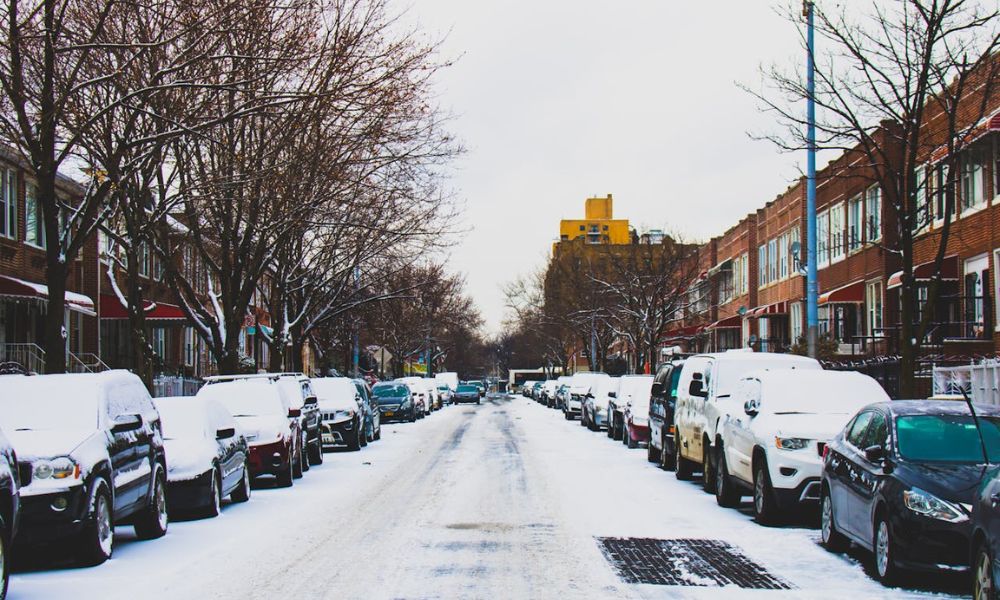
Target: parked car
343,420
207,455
369,407
446,393
525,388
616,405
90,449
580,386
985,547
634,392
594,410
562,384
548,392
662,402
704,398
418,385
271,427
395,401
563,395
466,393
448,379
10,507
772,449
900,479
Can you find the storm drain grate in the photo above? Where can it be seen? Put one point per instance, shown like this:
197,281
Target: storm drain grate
686,562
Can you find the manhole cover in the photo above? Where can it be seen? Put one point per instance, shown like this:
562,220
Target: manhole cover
686,562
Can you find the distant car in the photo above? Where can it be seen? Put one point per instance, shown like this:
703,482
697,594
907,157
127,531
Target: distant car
270,426
446,394
563,396
482,387
900,479
91,451
466,394
298,388
420,388
10,503
207,455
343,421
635,391
369,407
548,392
662,402
395,401
772,450
594,412
580,386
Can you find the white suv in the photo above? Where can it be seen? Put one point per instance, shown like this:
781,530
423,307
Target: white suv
704,392
579,387
773,447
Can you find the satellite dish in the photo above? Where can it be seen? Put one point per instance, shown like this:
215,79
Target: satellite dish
742,311
794,248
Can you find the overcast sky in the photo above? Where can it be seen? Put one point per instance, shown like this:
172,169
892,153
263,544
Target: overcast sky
556,101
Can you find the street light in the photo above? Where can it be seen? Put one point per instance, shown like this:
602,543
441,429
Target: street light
812,284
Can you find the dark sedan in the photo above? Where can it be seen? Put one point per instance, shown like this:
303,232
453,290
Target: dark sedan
395,401
900,481
466,393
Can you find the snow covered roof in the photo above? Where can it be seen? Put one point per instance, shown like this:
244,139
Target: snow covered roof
13,287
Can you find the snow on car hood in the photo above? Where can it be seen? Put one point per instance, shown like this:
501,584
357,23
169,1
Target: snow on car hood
188,458
47,443
821,427
330,404
263,429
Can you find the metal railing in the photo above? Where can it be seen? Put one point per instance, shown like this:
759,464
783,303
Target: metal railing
172,385
85,362
30,356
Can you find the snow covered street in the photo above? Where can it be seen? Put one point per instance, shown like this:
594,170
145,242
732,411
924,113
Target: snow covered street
501,500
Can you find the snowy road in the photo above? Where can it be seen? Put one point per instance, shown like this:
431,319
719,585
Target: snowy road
502,500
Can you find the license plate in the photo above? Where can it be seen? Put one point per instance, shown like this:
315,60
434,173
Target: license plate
388,413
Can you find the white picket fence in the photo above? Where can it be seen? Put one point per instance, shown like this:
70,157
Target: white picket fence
981,381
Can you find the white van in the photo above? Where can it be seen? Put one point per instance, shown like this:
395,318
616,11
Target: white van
448,379
704,396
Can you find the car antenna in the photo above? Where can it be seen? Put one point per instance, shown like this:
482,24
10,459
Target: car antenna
979,429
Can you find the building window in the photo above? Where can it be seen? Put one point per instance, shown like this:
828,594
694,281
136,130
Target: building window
855,223
873,306
823,238
190,346
772,260
157,266
795,256
745,274
763,333
762,265
142,255
8,205
873,213
920,195
795,318
160,341
34,222
938,190
783,256
996,287
976,296
974,178
837,227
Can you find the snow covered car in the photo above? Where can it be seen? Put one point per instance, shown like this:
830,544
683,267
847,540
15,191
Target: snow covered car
704,398
93,449
634,392
579,387
446,394
269,425
466,394
773,448
985,547
548,392
422,397
594,411
343,423
395,401
369,407
619,400
207,455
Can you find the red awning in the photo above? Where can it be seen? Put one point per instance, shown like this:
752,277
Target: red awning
852,293
12,287
994,123
683,332
925,271
733,322
777,308
111,308
988,124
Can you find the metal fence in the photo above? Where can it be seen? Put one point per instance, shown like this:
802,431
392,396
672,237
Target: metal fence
981,381
884,369
169,385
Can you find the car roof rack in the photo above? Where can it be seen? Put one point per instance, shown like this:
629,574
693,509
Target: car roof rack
224,378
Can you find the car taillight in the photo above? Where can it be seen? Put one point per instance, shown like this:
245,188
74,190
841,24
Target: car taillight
823,449
671,430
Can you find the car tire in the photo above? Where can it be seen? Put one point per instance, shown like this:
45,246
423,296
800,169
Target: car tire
287,477
726,494
568,415
707,470
5,539
213,506
832,540
666,458
354,444
297,460
378,432
652,454
304,452
984,587
315,453
885,569
242,491
96,542
611,427
152,521
631,443
413,416
683,469
764,505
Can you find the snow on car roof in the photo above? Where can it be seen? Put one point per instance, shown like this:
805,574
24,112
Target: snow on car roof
788,390
236,394
329,388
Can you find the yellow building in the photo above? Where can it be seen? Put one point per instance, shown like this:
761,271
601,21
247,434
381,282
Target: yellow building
599,225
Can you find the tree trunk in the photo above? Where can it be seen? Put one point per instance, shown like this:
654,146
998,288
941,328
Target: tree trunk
142,351
55,334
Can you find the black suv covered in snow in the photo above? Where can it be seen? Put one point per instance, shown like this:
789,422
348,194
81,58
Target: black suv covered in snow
10,483
93,449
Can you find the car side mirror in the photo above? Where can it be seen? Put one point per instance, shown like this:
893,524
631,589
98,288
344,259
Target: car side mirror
123,423
311,401
590,395
874,454
612,394
697,388
294,412
657,389
750,408
225,433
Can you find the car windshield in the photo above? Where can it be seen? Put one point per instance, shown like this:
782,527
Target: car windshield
467,389
390,393
39,403
181,420
246,399
947,438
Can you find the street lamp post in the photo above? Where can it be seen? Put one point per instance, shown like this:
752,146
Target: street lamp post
812,284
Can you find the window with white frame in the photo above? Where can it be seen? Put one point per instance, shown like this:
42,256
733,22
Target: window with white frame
142,256
795,261
855,223
920,199
745,273
160,341
873,307
938,190
772,260
837,227
762,265
34,222
8,204
783,256
873,213
823,238
157,266
190,346
795,318
974,177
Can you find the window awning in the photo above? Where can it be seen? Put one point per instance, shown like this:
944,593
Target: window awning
776,308
981,128
683,332
925,272
11,287
852,293
726,265
111,308
733,322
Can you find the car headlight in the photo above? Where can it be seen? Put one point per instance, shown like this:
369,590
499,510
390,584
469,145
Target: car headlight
405,405
343,414
790,443
929,505
57,468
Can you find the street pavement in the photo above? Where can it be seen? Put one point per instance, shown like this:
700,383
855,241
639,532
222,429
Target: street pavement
500,500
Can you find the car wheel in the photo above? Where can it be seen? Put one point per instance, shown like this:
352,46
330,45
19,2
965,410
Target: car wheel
378,432
315,453
885,570
152,521
833,540
4,566
304,452
764,508
984,588
707,472
726,494
297,461
631,443
666,458
611,427
242,491
96,541
683,469
286,477
355,442
567,415
652,454
213,504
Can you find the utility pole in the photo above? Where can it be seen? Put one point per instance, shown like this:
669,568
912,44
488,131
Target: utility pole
812,283
357,326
